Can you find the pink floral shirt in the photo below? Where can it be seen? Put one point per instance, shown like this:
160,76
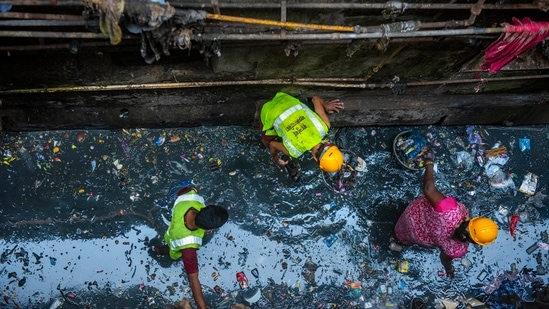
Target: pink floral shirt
429,226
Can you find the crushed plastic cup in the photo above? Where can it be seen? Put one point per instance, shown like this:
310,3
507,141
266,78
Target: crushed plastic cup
252,295
395,247
255,272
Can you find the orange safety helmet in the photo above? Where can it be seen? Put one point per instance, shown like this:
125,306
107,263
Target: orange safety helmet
483,231
330,159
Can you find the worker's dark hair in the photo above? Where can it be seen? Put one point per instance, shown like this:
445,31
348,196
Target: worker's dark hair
462,233
211,217
323,146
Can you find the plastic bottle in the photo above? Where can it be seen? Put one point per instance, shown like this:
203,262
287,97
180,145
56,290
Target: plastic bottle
242,280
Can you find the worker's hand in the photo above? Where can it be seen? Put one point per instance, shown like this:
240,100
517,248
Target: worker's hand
281,162
333,106
428,155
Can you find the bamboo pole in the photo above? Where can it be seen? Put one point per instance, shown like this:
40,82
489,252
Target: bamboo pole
284,24
333,83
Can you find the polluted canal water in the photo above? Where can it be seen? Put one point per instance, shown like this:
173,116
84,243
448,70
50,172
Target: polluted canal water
82,210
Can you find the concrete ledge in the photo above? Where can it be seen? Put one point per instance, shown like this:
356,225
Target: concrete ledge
237,106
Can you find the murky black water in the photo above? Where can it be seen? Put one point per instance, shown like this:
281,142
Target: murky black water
81,210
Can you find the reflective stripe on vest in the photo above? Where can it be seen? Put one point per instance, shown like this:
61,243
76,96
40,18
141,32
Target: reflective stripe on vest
189,240
313,117
188,197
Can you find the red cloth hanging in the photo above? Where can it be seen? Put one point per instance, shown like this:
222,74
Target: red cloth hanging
518,38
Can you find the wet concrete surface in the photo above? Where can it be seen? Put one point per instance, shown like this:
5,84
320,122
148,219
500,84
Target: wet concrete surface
81,211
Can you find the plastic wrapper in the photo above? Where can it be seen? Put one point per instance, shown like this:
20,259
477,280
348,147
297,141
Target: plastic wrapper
529,184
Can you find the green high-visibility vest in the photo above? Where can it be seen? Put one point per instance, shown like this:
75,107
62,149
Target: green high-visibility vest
178,236
299,127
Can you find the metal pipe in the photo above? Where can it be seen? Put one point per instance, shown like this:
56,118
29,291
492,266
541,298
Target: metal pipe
475,11
348,36
333,6
47,34
361,81
43,3
363,6
128,43
297,82
124,45
33,23
21,15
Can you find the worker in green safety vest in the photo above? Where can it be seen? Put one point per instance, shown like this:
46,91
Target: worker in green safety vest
190,220
290,127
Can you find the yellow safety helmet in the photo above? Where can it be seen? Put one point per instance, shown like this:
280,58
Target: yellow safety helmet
483,231
330,159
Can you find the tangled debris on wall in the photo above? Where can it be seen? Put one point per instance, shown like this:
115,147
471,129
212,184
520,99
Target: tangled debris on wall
160,25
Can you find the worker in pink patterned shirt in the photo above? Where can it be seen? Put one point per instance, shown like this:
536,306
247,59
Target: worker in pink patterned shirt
435,220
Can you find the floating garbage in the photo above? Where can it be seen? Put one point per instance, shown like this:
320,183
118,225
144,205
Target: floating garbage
152,174
529,184
467,264
242,280
403,267
80,137
482,275
524,144
464,159
408,146
346,178
513,221
360,164
117,164
535,246
393,246
330,240
473,136
215,163
252,295
355,293
57,303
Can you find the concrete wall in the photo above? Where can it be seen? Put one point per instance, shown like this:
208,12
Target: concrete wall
238,106
89,90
